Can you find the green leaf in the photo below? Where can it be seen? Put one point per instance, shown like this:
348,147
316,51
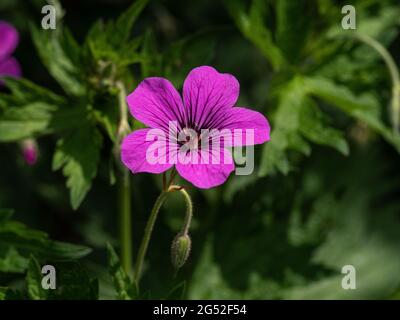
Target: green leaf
11,260
187,53
314,128
110,41
252,26
32,110
35,119
285,133
78,154
24,91
17,242
124,23
151,64
72,282
292,27
364,107
122,283
10,294
60,54
34,281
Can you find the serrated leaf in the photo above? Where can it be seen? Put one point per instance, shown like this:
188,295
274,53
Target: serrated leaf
59,53
78,154
110,41
123,284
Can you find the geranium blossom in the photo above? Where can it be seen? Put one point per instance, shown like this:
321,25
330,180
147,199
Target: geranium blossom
206,112
9,39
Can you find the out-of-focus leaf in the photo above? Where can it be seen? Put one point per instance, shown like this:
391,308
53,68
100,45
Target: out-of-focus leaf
24,91
11,260
292,27
314,128
78,154
37,118
378,26
59,53
122,283
354,242
252,25
31,110
72,283
5,214
17,242
34,281
151,64
187,53
285,130
10,294
364,107
125,22
178,292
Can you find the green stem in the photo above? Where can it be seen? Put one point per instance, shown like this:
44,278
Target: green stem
394,74
123,127
124,187
125,234
147,235
189,212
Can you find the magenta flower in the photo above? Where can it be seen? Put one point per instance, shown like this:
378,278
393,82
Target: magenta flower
205,115
9,39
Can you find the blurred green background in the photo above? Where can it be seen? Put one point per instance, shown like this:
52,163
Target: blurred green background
325,191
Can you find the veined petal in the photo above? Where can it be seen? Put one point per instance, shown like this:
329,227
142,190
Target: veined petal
206,169
9,39
245,126
206,91
147,150
155,102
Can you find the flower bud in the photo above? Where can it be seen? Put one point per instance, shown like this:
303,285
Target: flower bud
29,151
180,250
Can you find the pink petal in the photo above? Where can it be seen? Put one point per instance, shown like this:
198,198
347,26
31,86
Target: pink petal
206,91
9,38
147,150
9,68
155,102
246,127
209,175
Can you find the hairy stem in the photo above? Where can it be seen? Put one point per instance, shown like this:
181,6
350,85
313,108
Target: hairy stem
124,188
189,211
125,234
151,222
147,235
